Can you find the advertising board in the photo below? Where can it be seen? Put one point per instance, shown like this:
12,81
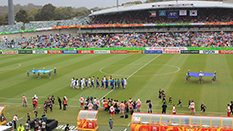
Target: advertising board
69,52
54,52
85,51
40,52
134,52
101,51
153,51
118,51
189,51
9,52
25,52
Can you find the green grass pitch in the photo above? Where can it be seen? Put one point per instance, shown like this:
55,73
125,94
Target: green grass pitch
146,73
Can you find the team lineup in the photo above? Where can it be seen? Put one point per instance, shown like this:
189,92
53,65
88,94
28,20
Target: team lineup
106,83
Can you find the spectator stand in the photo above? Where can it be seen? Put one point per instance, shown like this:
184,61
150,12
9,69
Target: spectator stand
162,122
87,120
2,113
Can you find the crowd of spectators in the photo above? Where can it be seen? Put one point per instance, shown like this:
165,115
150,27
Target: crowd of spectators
191,39
143,17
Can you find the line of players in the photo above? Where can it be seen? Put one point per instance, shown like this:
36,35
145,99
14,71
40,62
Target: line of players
104,83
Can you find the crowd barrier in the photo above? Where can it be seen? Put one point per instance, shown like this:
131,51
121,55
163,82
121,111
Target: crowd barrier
145,50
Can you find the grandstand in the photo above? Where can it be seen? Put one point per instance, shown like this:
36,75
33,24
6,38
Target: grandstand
179,17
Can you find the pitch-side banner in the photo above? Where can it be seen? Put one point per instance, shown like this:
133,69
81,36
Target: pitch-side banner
101,51
40,52
208,52
167,49
9,52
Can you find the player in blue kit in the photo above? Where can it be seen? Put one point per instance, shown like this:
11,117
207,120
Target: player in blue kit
106,84
92,82
122,83
86,83
97,83
102,83
111,83
119,84
28,74
115,83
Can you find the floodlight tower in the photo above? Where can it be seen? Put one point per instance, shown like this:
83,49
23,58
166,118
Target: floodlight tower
11,16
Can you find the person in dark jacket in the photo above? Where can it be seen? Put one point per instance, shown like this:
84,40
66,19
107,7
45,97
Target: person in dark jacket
164,108
67,127
59,101
111,124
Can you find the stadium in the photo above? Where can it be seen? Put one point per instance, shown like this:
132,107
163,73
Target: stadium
150,66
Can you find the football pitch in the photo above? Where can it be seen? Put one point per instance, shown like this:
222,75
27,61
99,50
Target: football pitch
146,75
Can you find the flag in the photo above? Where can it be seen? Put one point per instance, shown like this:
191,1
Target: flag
162,13
152,13
183,12
172,14
193,13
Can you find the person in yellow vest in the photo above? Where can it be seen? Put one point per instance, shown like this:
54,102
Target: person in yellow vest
174,109
20,128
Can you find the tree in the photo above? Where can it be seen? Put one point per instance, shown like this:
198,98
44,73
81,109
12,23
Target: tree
47,12
2,18
22,16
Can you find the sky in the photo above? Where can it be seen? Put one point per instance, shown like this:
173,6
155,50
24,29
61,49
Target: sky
73,3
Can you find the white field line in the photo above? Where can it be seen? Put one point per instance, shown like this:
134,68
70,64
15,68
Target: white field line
133,74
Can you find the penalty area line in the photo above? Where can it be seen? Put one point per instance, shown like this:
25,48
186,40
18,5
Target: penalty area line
133,73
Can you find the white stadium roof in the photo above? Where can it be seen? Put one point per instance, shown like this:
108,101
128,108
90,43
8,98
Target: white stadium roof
166,4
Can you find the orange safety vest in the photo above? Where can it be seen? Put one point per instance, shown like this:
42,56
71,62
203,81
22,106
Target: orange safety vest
64,102
130,105
122,106
106,104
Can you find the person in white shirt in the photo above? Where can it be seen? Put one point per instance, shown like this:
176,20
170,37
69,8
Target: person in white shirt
112,110
174,109
82,83
89,81
15,118
125,82
81,100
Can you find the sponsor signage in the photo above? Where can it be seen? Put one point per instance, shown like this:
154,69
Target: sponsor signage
118,51
138,127
153,51
172,14
189,51
54,52
167,48
69,52
86,51
25,52
134,52
171,51
208,51
39,52
9,52
225,51
101,51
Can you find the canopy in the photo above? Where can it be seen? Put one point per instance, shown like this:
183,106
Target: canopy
5,128
42,70
194,74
